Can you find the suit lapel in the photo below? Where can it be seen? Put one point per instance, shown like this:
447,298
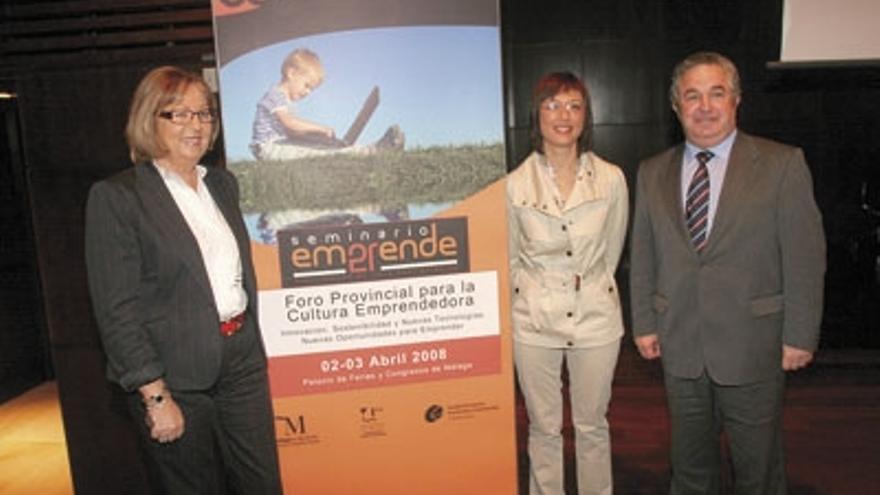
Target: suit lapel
740,166
671,190
169,222
227,203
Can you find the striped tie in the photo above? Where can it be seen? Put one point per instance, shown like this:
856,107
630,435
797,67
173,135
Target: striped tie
697,203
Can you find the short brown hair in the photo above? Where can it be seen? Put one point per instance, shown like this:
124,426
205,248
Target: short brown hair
161,87
299,59
549,86
704,58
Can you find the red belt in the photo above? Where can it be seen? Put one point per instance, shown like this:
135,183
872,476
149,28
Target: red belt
232,325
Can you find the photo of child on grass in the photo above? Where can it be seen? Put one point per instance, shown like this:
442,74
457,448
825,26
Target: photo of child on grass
281,134
433,137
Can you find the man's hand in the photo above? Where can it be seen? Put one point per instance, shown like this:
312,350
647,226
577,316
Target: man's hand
649,346
794,358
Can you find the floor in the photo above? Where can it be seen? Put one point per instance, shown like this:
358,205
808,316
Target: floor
33,453
832,423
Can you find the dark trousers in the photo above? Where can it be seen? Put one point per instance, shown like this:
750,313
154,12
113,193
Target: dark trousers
751,417
228,444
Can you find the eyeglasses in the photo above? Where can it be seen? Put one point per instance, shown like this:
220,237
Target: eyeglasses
571,105
183,117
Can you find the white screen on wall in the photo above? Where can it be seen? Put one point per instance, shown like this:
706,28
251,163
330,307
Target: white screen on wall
830,30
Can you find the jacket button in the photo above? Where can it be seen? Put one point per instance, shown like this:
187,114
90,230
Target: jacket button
610,289
516,290
569,314
564,228
569,343
568,253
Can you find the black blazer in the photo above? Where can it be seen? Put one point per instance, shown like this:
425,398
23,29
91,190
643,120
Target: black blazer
150,290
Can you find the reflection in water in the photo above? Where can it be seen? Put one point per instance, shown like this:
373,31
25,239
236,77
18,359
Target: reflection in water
262,227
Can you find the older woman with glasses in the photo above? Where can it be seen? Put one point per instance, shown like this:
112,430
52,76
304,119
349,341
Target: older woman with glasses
174,296
567,210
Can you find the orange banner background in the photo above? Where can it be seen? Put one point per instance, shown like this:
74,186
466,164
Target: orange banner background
381,440
430,416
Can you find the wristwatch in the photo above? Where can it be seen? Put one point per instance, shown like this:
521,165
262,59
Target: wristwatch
155,401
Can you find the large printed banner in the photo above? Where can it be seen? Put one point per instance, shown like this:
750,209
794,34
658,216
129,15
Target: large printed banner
367,139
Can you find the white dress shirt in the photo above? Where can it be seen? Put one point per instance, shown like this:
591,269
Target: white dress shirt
215,239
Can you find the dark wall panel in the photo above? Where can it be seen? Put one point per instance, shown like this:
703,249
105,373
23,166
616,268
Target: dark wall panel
71,143
625,50
24,360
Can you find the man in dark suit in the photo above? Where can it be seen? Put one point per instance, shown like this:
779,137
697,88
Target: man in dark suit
727,267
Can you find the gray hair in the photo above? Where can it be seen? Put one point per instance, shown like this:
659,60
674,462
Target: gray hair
703,58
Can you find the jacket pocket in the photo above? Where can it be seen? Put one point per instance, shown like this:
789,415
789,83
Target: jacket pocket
523,293
764,306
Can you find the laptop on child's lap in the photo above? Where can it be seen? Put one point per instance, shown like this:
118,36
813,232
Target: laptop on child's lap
357,126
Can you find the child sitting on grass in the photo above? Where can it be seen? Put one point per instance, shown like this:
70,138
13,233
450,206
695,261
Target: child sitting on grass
280,134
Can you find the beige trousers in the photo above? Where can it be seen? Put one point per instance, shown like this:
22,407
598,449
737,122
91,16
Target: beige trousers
590,373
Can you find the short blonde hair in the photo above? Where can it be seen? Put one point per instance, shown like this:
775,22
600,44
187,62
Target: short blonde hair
300,60
161,87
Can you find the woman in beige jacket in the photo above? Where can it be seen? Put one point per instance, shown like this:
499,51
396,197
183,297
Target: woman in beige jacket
567,214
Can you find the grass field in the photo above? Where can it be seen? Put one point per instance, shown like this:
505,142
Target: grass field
340,182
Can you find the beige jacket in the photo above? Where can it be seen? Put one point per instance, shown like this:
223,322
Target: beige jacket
562,259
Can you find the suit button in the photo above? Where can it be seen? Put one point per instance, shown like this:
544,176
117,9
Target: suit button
516,290
568,253
564,228
610,289
569,343
569,314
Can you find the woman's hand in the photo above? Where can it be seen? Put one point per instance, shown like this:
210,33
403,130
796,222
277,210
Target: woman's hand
163,416
165,422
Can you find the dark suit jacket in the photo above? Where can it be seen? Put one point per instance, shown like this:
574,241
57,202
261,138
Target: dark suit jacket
757,284
150,290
